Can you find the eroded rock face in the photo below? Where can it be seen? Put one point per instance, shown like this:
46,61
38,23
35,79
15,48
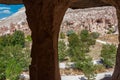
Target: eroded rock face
99,19
45,24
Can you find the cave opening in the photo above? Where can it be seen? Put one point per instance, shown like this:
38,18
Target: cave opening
49,35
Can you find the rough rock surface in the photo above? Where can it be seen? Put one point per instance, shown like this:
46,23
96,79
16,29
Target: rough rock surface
100,19
45,25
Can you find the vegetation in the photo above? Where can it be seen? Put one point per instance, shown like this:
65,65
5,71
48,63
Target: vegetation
108,53
70,32
62,51
111,30
14,56
62,35
88,69
94,35
78,48
28,38
17,38
99,68
87,38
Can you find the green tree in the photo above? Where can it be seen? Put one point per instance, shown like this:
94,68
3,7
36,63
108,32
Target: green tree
108,53
28,38
62,35
84,35
73,40
62,51
74,46
70,32
6,40
13,70
14,59
88,68
94,35
78,47
18,38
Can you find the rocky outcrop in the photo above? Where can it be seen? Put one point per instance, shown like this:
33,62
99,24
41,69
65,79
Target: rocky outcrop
100,19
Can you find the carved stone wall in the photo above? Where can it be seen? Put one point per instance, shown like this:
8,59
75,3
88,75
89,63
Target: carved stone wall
44,23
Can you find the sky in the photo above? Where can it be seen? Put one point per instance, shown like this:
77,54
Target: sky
8,10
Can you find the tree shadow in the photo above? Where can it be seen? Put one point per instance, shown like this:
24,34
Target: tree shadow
107,77
82,78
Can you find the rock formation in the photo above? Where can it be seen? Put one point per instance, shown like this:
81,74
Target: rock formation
44,18
99,19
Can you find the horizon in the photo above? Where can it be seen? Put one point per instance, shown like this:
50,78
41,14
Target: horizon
8,10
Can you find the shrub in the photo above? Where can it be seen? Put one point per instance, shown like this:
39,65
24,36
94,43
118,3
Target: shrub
87,67
108,53
70,32
99,68
78,47
14,59
28,38
73,40
62,35
61,51
110,31
18,38
13,70
95,35
6,40
84,35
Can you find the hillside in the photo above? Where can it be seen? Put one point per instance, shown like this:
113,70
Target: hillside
16,18
99,19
